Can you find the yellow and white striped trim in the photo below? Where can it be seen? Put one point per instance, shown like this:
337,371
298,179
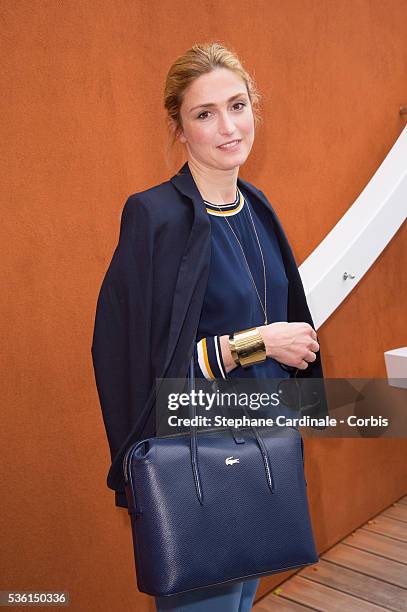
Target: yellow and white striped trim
203,360
226,213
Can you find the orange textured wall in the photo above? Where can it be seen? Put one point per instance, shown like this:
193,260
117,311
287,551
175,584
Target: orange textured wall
82,128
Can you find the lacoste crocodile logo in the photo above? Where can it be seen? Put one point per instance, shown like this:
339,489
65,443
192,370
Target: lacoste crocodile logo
231,460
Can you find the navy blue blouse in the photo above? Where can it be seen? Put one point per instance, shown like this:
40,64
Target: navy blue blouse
231,302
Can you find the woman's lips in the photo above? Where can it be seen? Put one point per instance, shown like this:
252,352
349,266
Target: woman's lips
234,146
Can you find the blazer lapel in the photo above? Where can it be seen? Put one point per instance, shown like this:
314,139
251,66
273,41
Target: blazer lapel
194,269
259,196
297,307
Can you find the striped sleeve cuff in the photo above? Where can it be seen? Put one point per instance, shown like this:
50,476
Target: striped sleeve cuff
208,358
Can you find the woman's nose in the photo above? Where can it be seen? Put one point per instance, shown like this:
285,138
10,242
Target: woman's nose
226,124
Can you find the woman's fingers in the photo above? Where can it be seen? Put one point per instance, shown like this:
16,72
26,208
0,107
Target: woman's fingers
310,357
303,365
315,346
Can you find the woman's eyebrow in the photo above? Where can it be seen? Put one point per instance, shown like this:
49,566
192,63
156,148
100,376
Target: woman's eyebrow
210,104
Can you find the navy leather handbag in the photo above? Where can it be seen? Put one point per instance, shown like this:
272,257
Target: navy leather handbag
215,507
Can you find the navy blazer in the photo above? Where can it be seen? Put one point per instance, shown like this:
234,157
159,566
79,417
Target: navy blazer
149,305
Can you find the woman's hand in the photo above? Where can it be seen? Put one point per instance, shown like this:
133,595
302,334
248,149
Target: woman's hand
293,344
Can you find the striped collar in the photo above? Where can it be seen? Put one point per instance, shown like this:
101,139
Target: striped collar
222,210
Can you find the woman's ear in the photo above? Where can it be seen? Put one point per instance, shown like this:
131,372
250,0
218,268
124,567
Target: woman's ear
180,135
177,131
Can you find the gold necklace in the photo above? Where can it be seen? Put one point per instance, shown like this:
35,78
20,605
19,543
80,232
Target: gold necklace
261,253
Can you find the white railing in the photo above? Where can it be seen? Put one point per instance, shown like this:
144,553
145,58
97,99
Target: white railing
342,258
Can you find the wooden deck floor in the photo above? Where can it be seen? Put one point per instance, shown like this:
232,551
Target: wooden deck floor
365,572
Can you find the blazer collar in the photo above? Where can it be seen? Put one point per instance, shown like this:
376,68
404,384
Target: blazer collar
184,182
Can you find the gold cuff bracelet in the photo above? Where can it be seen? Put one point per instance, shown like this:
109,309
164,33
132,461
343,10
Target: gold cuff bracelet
247,347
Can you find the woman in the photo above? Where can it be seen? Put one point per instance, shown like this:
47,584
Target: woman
202,268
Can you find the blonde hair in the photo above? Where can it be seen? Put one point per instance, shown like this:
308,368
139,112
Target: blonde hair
202,59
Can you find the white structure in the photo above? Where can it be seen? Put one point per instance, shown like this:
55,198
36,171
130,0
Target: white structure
342,258
396,366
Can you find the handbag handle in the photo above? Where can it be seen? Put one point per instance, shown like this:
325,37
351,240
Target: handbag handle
194,441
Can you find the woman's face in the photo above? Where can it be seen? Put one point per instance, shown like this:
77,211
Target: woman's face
216,109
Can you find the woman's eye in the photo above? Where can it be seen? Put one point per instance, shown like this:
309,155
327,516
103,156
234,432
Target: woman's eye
240,104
